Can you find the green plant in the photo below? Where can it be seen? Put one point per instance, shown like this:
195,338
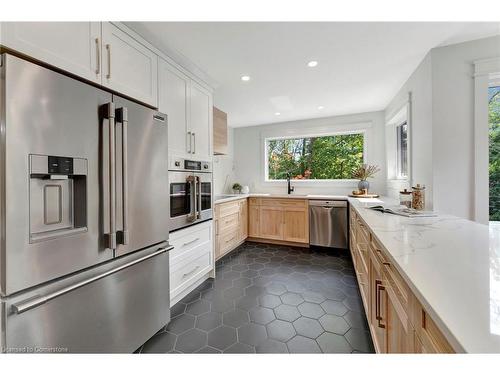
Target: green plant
365,171
237,187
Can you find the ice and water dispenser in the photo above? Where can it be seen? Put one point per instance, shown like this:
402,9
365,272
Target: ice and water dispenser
58,196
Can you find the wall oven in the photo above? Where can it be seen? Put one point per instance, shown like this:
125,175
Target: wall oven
190,188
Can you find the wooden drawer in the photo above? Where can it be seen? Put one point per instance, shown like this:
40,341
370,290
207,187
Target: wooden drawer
227,241
292,202
187,271
429,335
226,209
227,223
187,239
254,201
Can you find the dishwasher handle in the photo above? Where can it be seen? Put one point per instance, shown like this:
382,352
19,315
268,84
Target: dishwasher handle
328,204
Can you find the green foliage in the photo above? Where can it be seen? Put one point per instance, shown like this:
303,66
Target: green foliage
494,167
330,157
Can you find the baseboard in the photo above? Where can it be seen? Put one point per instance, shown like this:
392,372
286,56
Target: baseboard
190,288
277,242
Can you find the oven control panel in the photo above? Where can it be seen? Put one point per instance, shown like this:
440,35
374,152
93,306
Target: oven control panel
180,164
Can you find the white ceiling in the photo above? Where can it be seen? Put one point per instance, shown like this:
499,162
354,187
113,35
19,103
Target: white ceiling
361,65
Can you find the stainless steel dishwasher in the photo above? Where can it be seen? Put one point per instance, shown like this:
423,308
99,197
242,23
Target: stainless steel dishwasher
328,223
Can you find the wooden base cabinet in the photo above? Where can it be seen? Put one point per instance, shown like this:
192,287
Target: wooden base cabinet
398,322
231,226
280,220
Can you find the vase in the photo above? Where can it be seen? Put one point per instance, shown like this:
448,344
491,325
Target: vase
363,184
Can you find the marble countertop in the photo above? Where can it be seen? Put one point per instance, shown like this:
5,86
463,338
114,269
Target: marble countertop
453,267
232,197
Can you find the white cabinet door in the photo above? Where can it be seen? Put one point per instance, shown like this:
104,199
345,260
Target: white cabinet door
70,46
128,67
200,121
173,90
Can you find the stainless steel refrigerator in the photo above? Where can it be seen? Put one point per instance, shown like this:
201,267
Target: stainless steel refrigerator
84,210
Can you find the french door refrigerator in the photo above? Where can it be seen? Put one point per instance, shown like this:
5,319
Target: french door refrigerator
84,211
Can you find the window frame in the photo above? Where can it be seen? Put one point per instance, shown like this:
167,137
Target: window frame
322,132
398,159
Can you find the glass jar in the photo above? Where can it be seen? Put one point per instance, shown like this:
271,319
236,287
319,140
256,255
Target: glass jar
405,198
418,197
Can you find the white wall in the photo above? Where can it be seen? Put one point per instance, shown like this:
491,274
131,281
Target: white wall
223,167
453,123
420,86
249,158
442,89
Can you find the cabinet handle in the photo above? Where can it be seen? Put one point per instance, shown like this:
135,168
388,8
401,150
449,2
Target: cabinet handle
98,57
108,48
190,142
378,316
190,272
194,143
231,239
190,242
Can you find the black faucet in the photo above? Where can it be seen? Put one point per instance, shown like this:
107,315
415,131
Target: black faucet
290,187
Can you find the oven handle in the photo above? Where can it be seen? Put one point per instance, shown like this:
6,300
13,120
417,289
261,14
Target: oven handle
31,303
198,181
192,199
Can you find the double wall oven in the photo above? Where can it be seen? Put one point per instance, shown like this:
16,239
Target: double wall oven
190,192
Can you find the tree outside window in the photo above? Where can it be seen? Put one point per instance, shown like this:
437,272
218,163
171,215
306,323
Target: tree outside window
331,157
494,151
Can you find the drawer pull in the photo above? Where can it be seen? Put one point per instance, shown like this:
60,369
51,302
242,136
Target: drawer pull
231,239
190,242
378,315
190,272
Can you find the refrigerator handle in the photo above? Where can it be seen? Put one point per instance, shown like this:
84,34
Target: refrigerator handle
122,117
109,182
31,303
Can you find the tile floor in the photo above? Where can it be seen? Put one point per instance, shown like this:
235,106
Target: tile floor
270,299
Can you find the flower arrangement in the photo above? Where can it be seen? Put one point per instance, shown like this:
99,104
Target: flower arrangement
365,171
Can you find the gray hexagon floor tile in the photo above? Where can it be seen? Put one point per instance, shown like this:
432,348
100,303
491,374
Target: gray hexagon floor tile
308,327
334,324
291,298
280,330
360,340
236,318
222,338
209,321
181,324
334,307
287,312
332,343
300,344
160,343
311,310
191,341
270,299
252,334
272,346
198,307
261,315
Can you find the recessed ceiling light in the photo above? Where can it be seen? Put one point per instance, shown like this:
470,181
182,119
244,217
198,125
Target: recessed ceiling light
312,64
277,113
320,107
245,78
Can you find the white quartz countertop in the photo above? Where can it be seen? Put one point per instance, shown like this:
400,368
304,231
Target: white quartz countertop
453,267
231,197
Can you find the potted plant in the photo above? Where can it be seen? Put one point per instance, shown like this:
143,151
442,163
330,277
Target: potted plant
363,173
236,188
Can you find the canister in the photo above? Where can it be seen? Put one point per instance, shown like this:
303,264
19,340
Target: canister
405,198
418,197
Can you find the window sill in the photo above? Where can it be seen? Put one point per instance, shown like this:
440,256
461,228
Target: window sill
347,182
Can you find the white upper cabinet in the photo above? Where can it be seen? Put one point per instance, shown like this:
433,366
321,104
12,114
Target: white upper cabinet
200,119
70,46
173,97
189,109
128,67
